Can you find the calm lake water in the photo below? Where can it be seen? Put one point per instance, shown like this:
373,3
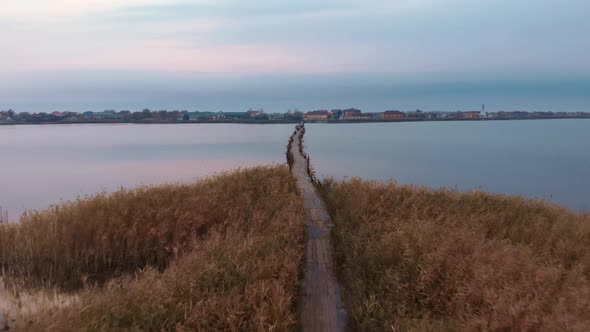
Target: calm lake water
43,165
547,159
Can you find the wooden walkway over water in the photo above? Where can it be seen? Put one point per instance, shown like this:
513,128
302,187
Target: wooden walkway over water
321,306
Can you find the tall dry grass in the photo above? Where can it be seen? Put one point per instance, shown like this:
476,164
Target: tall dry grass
418,259
3,216
221,254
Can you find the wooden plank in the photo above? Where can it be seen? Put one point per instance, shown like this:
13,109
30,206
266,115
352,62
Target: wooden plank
321,308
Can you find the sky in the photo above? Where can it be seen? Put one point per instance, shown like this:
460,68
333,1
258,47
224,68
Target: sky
224,53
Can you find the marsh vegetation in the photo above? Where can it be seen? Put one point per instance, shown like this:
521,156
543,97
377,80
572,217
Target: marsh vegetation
220,254
411,258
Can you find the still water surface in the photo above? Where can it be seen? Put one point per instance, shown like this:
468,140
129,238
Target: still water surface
547,159
43,165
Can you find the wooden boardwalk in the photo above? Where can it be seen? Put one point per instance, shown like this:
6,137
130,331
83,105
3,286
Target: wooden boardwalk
321,306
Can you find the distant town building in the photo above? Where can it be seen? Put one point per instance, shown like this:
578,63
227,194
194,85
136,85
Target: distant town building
319,115
254,113
369,116
470,114
392,115
234,115
203,116
336,114
294,115
418,114
352,114
373,115
107,115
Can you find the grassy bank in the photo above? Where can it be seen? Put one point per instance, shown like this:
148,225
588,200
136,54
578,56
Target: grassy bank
225,254
417,259
220,254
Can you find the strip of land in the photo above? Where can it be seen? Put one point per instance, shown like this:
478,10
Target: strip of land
351,115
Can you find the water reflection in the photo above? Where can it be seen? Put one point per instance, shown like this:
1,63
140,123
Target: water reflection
43,165
547,159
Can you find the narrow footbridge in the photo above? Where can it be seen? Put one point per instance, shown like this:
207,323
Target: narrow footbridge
321,305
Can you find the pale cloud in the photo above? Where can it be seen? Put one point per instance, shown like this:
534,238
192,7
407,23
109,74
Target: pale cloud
174,56
52,10
294,35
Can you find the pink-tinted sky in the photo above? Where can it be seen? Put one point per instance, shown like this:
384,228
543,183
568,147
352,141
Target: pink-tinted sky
280,36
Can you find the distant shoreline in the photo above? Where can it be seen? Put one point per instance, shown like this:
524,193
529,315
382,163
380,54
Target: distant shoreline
287,121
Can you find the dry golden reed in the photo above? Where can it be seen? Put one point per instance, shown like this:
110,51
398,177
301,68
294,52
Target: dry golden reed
221,254
3,216
411,258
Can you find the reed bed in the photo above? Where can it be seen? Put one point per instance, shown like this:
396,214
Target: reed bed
3,216
220,254
418,259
